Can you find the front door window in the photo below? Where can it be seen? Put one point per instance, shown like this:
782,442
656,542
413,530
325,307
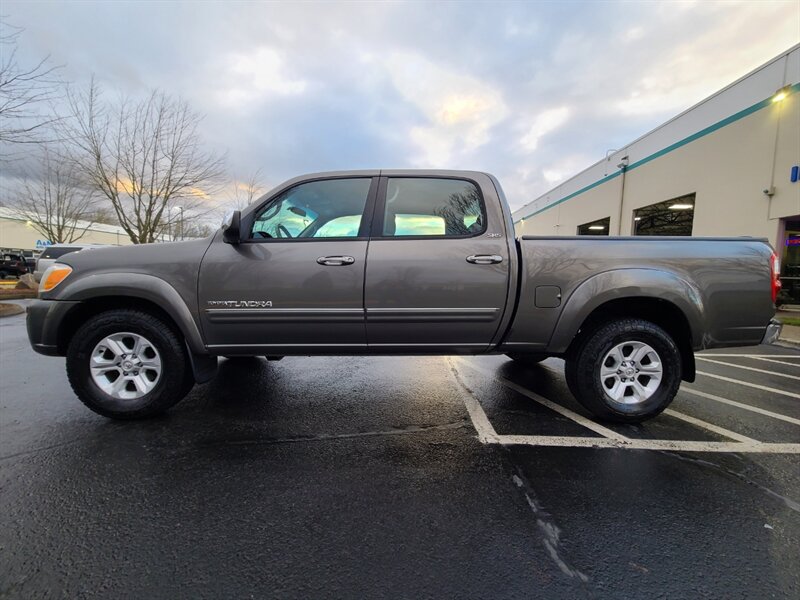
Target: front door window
319,209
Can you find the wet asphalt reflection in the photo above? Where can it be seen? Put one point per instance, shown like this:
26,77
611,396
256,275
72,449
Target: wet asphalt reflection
365,477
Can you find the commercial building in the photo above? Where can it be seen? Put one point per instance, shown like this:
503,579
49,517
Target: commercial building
18,233
728,166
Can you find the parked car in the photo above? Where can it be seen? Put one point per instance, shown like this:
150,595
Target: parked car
291,275
12,265
31,256
54,252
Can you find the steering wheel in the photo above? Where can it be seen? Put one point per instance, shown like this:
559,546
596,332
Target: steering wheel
283,231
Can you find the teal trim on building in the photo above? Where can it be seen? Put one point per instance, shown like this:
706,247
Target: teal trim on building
687,140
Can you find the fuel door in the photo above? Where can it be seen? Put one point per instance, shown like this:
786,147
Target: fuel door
547,296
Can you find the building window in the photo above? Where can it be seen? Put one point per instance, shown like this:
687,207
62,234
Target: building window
673,217
790,263
599,227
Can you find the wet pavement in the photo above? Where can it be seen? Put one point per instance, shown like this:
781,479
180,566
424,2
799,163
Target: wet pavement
348,477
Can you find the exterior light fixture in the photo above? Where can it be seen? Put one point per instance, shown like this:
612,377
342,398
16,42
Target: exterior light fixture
681,206
781,94
637,218
597,227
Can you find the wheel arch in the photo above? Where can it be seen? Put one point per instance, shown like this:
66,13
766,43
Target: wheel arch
660,297
128,290
659,312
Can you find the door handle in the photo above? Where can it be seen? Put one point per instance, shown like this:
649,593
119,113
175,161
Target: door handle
485,259
336,261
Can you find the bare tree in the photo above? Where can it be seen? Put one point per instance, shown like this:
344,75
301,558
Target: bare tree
144,156
24,91
54,202
246,192
195,229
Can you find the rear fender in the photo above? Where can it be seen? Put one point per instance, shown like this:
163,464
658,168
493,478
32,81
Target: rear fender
628,283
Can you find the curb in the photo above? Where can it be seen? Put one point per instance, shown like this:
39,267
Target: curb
794,344
9,310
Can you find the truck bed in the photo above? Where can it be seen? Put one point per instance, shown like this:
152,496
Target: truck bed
720,284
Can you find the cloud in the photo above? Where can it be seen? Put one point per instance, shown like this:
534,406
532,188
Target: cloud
544,123
524,90
700,63
564,168
457,110
256,76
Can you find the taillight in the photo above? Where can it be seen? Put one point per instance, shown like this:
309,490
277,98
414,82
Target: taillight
775,267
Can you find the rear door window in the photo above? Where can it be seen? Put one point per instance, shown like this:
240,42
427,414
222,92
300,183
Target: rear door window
429,207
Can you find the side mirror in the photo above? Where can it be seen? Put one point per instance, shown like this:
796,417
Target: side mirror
231,231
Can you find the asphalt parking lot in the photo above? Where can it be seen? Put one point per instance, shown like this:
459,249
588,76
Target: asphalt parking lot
401,477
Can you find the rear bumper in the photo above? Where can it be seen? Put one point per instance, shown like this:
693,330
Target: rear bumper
43,321
773,332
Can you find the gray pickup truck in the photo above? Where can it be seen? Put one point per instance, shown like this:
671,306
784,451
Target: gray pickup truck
400,262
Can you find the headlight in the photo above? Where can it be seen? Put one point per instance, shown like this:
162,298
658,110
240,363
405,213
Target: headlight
53,276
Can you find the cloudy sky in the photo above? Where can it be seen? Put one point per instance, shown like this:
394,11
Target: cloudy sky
533,92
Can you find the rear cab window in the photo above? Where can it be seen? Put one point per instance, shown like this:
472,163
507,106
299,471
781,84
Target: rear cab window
432,207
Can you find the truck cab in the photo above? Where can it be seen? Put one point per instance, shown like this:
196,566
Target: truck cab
362,262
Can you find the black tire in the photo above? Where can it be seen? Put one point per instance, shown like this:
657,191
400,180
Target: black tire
3,274
584,362
175,381
526,358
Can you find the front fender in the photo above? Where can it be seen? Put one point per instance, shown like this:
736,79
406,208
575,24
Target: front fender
135,285
628,283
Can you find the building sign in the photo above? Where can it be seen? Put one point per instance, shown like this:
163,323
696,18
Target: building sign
40,244
793,241
794,174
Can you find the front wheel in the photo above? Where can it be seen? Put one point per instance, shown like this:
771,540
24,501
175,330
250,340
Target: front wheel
128,364
627,371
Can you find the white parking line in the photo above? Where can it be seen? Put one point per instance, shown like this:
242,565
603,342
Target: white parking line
579,419
731,435
791,356
780,362
752,385
754,409
611,439
746,368
486,432
673,445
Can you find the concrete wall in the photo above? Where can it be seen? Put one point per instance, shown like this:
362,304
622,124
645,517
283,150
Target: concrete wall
726,150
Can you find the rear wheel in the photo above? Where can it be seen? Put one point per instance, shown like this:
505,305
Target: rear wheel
627,371
3,274
128,364
526,358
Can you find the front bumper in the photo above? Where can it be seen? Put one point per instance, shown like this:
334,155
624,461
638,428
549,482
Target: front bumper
773,332
43,322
